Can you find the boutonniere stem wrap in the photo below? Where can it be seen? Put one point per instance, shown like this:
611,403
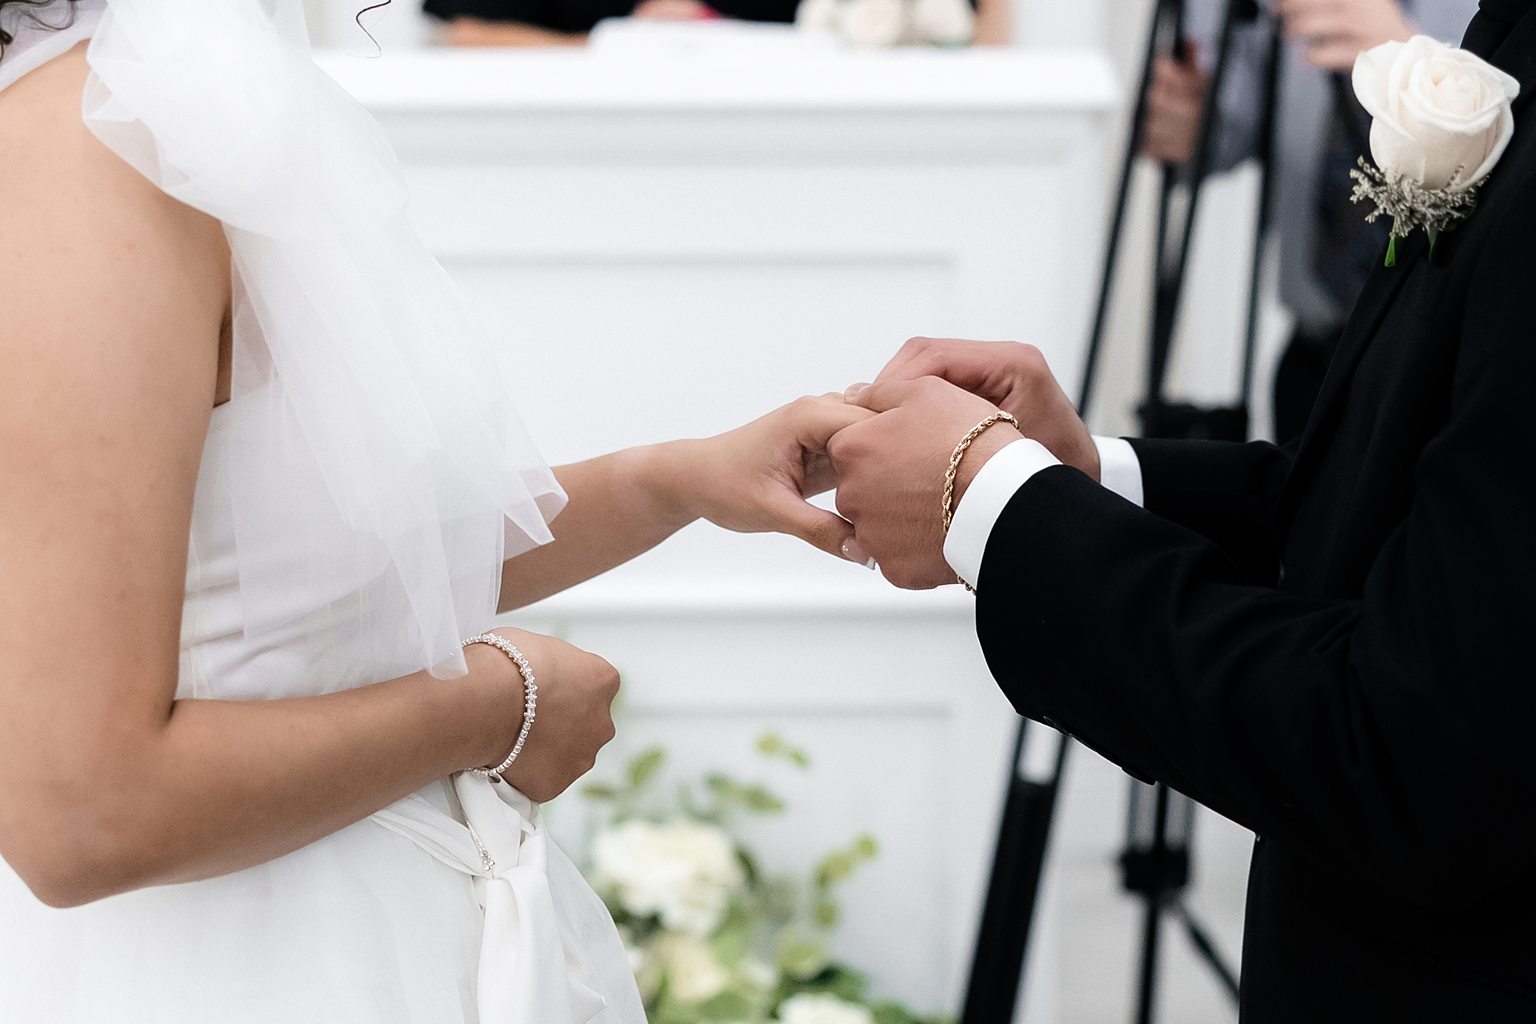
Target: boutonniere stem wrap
1440,120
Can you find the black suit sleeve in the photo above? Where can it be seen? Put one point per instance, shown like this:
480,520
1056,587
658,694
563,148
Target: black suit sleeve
1396,731
1228,492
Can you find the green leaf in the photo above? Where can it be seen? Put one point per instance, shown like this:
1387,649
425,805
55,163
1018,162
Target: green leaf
835,867
772,745
600,791
726,1006
733,939
645,766
842,981
760,800
826,912
777,900
893,1013
800,957
749,867
839,865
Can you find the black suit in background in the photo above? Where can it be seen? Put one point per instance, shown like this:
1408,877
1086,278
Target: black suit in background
1336,647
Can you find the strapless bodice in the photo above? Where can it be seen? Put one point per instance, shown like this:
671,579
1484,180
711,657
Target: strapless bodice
315,643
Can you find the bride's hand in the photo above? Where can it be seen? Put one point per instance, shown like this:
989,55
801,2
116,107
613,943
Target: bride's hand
574,719
755,479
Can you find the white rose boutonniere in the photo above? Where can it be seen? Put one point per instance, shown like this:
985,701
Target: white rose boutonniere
1440,120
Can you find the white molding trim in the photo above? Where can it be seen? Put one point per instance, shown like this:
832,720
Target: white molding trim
1079,80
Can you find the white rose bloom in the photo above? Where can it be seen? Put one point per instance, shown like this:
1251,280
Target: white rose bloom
947,22
683,872
1441,116
873,23
694,973
820,16
822,1009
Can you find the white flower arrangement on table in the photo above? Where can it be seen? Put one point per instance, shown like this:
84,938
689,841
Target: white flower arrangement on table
713,938
1440,120
876,24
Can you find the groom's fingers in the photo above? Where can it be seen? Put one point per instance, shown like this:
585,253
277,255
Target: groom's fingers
965,364
817,419
887,395
917,357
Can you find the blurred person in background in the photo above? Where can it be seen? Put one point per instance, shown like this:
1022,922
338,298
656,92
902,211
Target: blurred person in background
567,22
1326,247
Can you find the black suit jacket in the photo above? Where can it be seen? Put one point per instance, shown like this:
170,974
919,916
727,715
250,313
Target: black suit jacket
1335,650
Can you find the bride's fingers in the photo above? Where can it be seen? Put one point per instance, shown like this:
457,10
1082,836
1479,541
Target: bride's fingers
817,527
820,475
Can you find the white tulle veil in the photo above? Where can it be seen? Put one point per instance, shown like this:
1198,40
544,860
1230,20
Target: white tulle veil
382,457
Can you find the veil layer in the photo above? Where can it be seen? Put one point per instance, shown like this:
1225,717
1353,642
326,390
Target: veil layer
382,464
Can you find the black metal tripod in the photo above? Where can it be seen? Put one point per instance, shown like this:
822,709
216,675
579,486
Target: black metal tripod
1156,861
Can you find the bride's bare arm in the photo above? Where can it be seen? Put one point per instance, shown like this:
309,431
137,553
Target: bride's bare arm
112,297
753,479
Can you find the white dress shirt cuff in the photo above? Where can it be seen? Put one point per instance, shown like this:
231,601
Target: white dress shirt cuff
999,480
1120,469
984,500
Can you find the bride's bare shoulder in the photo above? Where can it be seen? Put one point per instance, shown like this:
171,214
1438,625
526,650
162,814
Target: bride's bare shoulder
82,230
59,179
40,113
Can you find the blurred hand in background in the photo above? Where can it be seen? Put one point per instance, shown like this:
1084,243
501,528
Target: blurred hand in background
1333,32
1175,101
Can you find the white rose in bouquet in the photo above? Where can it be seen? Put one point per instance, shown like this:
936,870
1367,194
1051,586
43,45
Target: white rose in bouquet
946,22
684,872
816,1008
1441,116
694,973
873,24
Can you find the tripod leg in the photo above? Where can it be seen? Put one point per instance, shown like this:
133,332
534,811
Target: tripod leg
1271,91
1206,947
1146,988
1163,342
1002,941
1161,13
1164,295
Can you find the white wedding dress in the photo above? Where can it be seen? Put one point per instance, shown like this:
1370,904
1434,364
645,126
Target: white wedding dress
356,498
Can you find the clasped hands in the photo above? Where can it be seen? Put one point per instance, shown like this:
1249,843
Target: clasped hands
885,447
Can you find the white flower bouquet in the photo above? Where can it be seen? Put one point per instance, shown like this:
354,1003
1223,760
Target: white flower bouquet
875,24
716,939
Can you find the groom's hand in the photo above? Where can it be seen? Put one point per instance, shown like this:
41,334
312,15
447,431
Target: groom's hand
1011,376
890,472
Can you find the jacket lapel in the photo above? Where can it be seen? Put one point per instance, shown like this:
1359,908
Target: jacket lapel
1516,55
1381,290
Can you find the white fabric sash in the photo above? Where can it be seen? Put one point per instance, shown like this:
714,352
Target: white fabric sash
550,953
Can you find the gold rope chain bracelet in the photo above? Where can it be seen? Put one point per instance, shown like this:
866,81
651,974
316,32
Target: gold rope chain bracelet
947,502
